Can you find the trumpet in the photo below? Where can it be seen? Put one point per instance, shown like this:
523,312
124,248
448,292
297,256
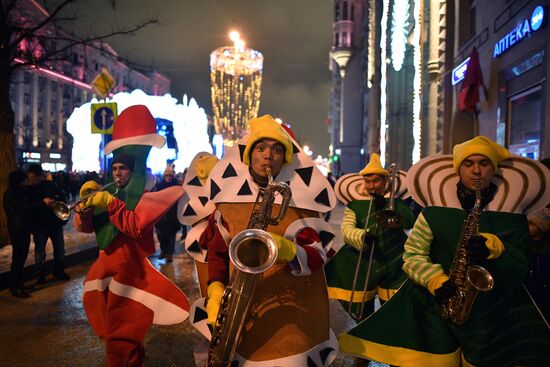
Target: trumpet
63,210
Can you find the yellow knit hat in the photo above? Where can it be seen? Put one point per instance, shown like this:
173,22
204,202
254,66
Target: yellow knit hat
479,145
266,127
202,164
374,167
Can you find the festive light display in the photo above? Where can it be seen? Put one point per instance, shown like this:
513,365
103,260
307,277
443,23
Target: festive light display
189,123
399,30
383,80
417,87
236,81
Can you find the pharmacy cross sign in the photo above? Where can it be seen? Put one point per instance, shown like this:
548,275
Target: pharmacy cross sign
103,117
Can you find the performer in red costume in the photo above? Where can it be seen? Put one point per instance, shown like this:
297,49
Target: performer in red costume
123,293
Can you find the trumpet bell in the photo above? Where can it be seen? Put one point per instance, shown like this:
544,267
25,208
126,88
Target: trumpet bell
61,210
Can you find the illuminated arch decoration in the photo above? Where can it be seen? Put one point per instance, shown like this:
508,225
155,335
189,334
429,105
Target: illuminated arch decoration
189,123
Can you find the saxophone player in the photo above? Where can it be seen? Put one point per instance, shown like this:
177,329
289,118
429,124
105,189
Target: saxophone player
503,327
288,320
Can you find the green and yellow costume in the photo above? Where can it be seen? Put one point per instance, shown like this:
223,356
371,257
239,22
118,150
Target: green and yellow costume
504,328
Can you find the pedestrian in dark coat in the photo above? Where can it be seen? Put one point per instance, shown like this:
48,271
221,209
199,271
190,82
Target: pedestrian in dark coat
19,209
168,226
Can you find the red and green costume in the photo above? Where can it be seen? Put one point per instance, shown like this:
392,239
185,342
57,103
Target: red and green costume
123,293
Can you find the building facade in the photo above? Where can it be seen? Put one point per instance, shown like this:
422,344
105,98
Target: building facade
413,57
44,97
512,40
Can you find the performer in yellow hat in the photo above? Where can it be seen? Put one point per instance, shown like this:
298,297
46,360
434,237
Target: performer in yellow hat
363,233
290,305
426,323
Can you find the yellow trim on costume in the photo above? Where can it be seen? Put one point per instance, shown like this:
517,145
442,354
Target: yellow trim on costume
345,295
396,355
386,293
436,281
494,244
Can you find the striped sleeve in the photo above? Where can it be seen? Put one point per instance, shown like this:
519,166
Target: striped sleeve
417,262
353,236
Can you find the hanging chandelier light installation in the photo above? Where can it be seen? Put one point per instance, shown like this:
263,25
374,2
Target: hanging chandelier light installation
236,81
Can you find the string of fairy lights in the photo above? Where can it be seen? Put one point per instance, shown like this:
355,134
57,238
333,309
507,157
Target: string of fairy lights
236,81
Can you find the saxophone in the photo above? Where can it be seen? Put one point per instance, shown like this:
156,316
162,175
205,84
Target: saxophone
469,280
252,252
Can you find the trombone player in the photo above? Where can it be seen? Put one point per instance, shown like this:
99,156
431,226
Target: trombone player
373,231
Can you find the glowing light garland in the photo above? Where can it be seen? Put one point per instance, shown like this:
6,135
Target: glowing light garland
189,121
383,81
236,81
417,91
399,30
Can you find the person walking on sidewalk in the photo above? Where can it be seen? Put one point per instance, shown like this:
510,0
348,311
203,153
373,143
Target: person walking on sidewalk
168,225
48,225
19,209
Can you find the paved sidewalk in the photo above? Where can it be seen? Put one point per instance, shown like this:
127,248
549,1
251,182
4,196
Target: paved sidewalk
79,247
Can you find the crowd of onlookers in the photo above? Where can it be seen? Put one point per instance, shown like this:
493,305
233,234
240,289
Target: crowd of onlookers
29,203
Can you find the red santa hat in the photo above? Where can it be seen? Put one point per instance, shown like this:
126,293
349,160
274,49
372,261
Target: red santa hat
135,126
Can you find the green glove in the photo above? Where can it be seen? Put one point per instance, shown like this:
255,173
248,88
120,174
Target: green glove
215,293
286,248
100,199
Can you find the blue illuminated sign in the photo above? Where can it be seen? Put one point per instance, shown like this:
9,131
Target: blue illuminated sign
537,17
520,32
460,72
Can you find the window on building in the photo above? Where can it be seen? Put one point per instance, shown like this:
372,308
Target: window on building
466,21
352,15
345,39
26,99
336,11
345,10
525,121
26,78
336,39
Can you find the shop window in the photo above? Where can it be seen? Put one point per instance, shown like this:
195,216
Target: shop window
525,114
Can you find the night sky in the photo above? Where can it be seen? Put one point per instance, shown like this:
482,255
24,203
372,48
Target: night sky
293,35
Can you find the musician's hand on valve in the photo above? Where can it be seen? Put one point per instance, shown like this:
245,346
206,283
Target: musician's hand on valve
477,250
215,293
286,248
446,291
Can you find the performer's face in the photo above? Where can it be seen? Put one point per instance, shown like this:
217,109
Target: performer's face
476,167
267,153
121,174
375,183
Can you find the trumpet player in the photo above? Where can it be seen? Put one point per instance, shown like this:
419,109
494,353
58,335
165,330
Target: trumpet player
498,324
288,319
364,228
123,294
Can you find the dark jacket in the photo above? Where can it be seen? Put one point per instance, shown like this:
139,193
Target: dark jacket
20,209
169,222
47,189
